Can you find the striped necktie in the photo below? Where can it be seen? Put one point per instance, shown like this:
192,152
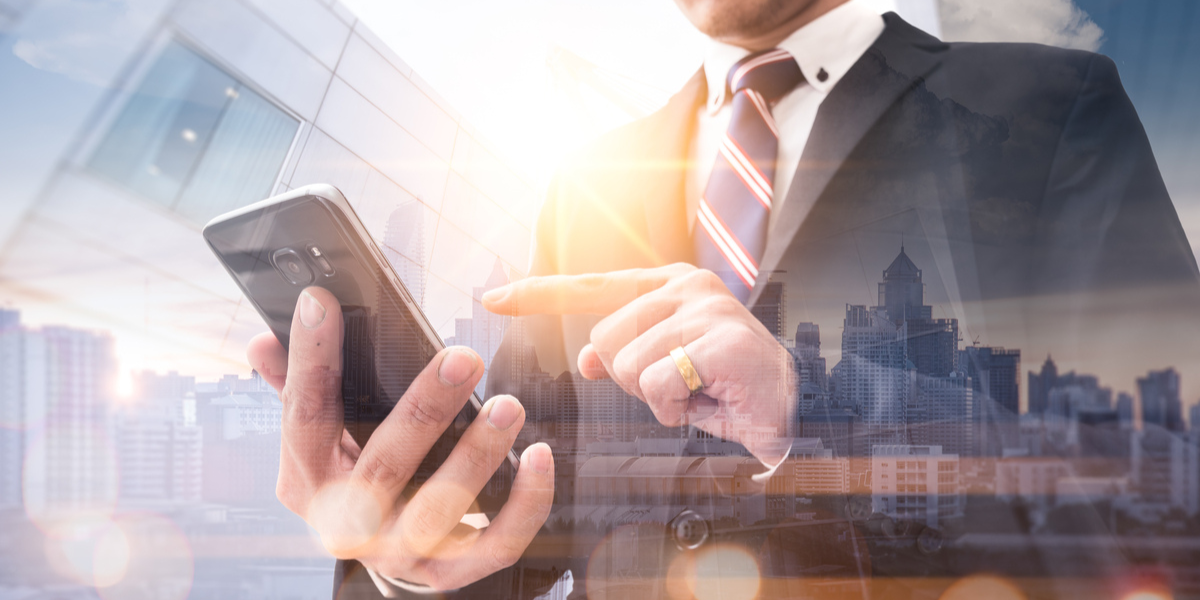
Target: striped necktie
736,206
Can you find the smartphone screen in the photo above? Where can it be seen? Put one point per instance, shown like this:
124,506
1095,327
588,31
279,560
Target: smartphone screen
281,246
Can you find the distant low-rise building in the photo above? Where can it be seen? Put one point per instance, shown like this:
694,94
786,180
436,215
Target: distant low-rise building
916,483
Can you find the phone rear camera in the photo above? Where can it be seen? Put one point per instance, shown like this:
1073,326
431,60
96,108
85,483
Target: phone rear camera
291,265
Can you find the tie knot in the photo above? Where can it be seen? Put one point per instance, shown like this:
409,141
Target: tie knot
772,73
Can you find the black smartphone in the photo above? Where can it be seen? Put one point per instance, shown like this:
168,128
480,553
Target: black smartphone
312,237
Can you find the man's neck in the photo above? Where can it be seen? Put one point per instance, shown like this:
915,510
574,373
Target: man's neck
802,17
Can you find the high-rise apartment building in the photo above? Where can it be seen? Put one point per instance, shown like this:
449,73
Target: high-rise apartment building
1161,403
59,382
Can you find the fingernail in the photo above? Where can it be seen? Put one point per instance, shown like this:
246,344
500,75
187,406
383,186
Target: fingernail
594,363
497,295
457,367
541,460
312,314
504,412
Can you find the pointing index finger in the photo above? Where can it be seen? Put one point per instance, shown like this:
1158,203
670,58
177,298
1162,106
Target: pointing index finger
589,294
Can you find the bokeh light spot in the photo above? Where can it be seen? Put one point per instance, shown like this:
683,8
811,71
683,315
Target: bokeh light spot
983,587
1147,595
726,572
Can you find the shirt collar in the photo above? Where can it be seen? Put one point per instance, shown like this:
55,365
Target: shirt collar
832,43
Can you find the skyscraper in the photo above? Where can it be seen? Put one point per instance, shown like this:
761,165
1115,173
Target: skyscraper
12,407
67,381
946,415
873,376
932,343
994,374
404,247
810,366
1040,385
1161,403
483,331
771,307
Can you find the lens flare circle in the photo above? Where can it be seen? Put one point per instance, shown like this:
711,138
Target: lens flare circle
976,587
91,552
1147,595
726,572
160,563
61,496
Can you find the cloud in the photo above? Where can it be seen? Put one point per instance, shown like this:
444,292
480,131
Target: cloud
1052,22
85,40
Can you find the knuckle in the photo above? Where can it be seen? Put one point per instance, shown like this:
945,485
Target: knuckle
424,410
303,406
427,522
504,553
703,279
436,576
716,304
377,472
681,268
625,367
479,456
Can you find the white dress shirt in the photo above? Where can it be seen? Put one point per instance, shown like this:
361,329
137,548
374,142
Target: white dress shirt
830,45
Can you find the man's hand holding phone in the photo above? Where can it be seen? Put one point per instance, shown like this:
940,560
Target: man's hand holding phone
355,497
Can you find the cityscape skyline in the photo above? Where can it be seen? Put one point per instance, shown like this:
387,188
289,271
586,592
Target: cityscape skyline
183,445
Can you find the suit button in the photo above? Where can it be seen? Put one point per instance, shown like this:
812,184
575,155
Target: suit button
822,76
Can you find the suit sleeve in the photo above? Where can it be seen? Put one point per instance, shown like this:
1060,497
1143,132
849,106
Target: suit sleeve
1110,223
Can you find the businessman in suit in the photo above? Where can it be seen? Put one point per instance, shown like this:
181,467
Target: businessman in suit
818,139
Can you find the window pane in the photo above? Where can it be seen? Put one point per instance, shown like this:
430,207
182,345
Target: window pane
193,139
241,162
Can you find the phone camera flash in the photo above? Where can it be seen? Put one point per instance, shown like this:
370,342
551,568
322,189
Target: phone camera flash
319,258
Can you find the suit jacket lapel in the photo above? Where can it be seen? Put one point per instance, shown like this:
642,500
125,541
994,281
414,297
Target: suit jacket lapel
667,140
897,61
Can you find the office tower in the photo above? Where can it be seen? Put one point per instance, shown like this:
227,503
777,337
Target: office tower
1194,417
932,343
810,366
483,331
1097,433
1125,411
160,451
994,375
12,405
159,442
771,307
873,376
1040,385
68,378
916,483
944,415
1060,397
837,428
1161,405
902,293
404,247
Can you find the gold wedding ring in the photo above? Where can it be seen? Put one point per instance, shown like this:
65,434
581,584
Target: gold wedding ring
687,370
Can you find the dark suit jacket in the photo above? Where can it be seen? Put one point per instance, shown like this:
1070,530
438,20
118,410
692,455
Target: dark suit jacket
1017,177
